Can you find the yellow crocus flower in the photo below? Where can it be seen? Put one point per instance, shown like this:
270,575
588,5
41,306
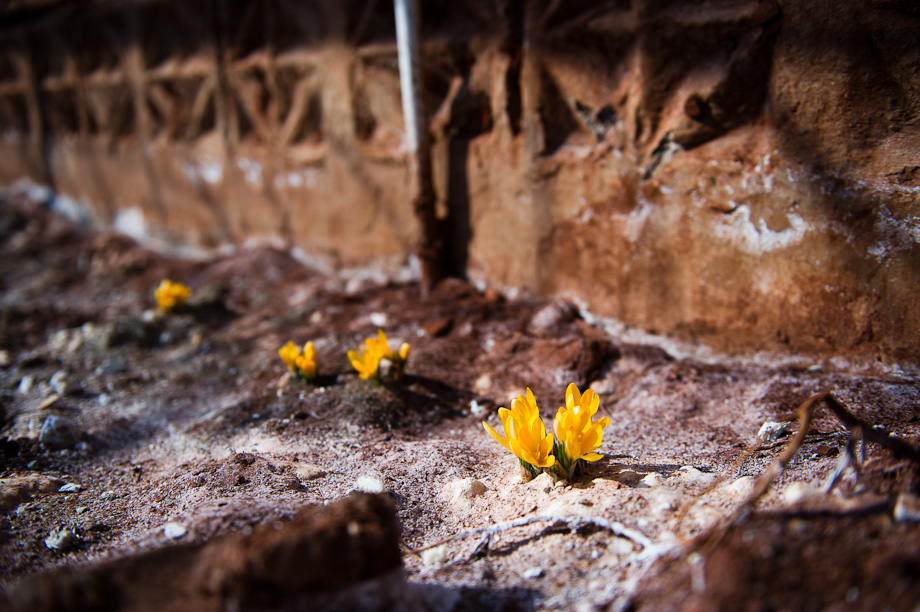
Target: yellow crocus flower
379,345
289,355
171,296
304,365
374,350
367,363
577,435
525,435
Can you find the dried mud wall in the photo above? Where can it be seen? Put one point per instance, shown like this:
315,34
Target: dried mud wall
741,173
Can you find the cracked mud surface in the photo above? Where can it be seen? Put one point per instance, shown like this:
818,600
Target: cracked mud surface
190,419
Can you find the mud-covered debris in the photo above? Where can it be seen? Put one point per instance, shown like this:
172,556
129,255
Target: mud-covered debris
18,489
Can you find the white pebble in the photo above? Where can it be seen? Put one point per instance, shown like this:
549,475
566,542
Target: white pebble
534,572
483,383
70,488
369,484
58,382
379,319
25,385
435,556
652,479
771,431
174,530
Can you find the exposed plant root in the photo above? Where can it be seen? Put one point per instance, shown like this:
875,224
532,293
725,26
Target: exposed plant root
860,431
573,523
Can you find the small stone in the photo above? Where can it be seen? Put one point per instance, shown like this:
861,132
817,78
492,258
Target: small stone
307,471
437,327
693,478
483,383
379,319
4,359
25,384
70,487
534,572
80,509
369,484
435,556
107,495
174,530
551,317
58,432
479,407
772,431
113,366
652,479
61,539
461,492
58,382
907,508
603,386
628,477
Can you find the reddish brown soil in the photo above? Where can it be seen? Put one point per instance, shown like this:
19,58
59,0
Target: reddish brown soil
191,418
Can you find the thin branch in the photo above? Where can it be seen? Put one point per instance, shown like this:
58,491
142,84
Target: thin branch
573,523
859,430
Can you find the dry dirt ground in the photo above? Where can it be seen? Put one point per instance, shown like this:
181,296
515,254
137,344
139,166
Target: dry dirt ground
169,463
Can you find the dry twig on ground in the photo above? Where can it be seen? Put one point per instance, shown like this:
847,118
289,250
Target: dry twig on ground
572,522
859,431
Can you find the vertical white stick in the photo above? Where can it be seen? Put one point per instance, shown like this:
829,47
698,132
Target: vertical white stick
407,47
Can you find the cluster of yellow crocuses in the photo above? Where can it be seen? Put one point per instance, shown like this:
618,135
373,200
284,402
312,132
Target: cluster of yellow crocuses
577,434
302,365
171,296
367,363
374,352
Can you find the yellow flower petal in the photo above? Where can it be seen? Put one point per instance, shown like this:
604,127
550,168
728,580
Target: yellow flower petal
495,435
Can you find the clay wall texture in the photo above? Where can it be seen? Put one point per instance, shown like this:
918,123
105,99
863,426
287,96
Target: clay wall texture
741,173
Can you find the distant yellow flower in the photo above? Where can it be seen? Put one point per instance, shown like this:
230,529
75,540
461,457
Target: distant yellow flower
525,435
577,435
171,296
375,350
304,366
289,354
366,363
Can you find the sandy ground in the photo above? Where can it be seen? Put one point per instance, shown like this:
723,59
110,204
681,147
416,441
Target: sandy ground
137,448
